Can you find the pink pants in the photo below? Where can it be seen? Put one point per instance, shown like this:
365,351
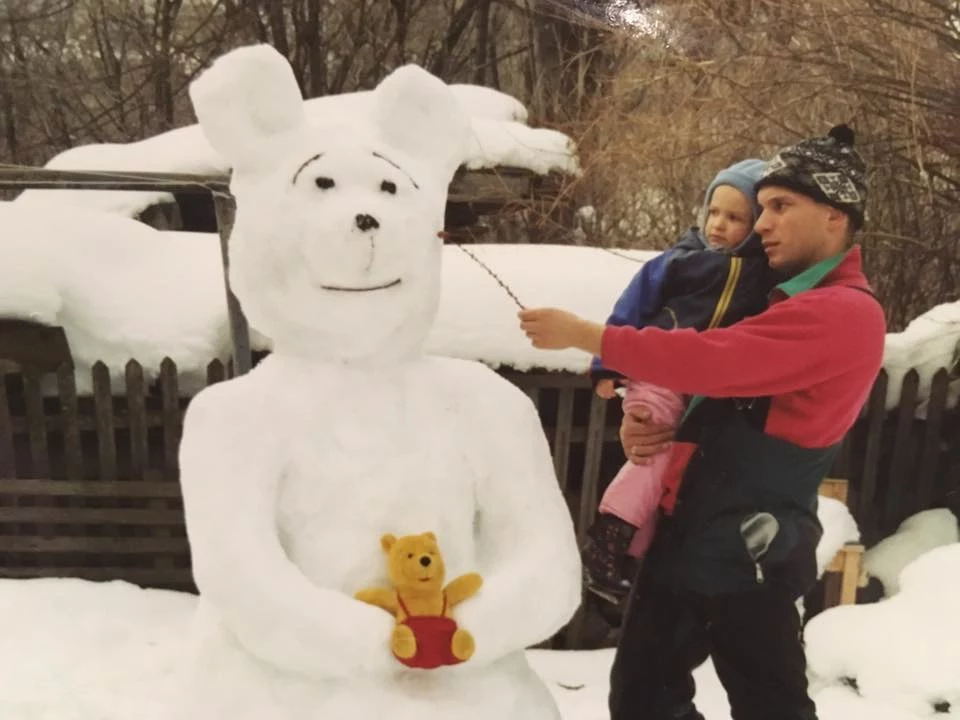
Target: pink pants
635,492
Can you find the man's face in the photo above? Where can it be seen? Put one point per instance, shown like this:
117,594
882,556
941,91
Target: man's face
797,231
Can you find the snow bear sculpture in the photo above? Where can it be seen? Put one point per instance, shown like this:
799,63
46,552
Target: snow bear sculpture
348,430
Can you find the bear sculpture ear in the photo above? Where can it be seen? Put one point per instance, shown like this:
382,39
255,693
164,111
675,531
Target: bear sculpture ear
418,114
246,99
387,542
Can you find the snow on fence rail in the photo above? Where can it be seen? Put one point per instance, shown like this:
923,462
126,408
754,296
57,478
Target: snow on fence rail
89,485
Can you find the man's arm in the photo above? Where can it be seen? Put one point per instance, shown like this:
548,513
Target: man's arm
794,344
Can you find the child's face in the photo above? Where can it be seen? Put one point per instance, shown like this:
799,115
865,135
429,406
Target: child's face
729,218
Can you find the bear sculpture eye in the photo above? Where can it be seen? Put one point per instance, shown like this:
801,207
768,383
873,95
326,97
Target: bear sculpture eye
324,183
388,187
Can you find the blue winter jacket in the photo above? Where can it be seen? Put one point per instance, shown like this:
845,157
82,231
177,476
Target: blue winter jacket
693,286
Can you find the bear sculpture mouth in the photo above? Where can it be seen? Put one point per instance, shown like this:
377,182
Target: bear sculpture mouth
384,286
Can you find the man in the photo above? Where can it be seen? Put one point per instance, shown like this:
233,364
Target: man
774,396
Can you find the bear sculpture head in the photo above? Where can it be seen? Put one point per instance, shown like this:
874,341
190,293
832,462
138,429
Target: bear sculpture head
334,253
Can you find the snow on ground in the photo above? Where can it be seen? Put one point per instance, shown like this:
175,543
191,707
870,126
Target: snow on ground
77,650
500,137
902,652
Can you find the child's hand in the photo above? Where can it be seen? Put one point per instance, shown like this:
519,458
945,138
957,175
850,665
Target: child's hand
606,388
553,329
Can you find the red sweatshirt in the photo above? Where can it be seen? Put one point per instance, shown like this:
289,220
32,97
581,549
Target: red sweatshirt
816,352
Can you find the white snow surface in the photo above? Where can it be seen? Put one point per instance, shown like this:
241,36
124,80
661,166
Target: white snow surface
904,651
930,342
77,650
917,535
839,528
499,137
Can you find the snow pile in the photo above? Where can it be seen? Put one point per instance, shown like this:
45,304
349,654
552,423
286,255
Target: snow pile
839,528
917,535
500,138
75,650
902,653
930,342
119,288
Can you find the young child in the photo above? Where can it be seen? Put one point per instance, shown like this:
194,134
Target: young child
710,278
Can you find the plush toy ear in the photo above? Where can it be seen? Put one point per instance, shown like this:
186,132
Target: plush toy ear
244,100
429,536
387,542
418,114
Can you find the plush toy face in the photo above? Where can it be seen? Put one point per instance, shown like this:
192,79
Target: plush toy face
414,562
334,252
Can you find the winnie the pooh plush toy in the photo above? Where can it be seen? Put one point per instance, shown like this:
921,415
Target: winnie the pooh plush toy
425,635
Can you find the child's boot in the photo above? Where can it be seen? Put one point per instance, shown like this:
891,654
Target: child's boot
604,555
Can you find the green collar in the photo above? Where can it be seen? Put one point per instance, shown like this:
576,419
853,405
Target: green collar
812,276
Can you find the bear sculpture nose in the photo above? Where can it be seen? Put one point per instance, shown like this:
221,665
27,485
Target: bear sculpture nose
367,222
425,561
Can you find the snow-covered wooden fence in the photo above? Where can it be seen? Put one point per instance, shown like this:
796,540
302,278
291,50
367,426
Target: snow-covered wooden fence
89,484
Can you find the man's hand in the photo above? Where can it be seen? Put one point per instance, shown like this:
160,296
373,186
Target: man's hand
553,329
641,438
606,388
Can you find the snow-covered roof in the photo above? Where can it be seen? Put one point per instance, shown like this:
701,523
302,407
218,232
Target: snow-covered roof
501,138
124,290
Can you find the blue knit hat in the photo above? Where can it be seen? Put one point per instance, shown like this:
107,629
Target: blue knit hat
743,176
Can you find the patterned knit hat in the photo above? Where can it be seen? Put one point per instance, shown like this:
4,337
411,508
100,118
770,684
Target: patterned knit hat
827,169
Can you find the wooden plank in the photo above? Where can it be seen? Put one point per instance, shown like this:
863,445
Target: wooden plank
91,516
544,380
181,577
95,545
591,465
137,417
930,451
562,436
36,426
225,208
216,372
69,414
103,411
172,422
94,489
876,410
171,418
836,488
32,346
533,393
900,475
850,577
85,422
7,465
832,589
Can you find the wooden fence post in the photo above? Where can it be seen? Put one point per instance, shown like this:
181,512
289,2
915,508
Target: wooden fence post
225,208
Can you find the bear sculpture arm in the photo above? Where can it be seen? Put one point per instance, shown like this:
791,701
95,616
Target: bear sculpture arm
230,471
526,546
